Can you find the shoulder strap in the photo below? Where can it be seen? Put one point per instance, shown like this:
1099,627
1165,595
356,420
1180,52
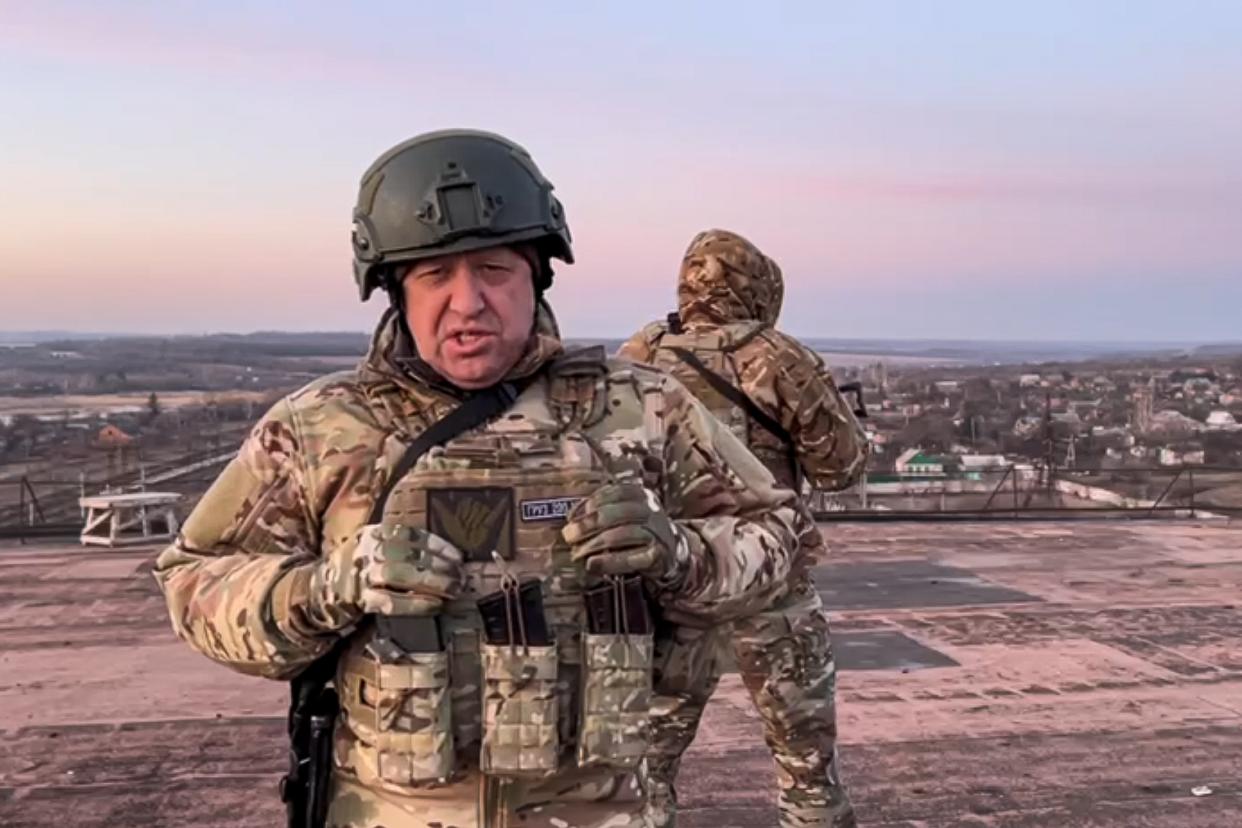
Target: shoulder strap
734,394
572,380
590,360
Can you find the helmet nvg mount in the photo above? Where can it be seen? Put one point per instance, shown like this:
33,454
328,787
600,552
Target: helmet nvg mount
451,192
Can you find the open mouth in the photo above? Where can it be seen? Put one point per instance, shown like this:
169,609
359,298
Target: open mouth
468,338
467,343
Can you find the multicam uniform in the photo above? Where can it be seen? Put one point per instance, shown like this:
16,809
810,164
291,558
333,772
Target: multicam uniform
729,297
237,580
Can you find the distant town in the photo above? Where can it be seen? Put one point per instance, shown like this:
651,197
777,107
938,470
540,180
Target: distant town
1095,415
117,412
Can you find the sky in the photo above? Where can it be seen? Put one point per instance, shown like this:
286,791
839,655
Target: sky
1054,170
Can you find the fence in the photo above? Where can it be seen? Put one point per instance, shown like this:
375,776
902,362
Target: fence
1025,491
30,507
33,508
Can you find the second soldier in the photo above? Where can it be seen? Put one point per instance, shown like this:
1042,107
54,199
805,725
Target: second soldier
777,396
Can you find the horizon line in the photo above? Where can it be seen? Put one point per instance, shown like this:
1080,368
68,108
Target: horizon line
50,334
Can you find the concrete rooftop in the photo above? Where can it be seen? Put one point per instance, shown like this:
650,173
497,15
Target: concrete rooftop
1086,673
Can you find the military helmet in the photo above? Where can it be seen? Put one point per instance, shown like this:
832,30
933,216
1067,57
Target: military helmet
451,192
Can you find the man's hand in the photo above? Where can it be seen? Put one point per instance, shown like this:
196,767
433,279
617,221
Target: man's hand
394,570
408,572
622,528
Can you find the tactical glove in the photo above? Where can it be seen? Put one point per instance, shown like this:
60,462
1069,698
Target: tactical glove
622,528
394,570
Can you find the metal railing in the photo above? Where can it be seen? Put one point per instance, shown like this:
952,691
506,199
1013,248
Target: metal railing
25,513
32,508
1031,491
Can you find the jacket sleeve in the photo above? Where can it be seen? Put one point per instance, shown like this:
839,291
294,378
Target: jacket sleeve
237,577
744,531
795,383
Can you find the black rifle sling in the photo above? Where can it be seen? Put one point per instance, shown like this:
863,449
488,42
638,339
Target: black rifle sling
310,695
476,410
735,395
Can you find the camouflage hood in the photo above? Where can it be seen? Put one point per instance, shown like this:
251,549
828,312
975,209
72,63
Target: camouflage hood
393,357
724,278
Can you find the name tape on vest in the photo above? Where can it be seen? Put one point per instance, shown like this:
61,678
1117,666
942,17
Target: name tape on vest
552,508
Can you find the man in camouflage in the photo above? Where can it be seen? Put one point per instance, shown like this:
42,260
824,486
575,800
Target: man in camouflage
729,298
598,469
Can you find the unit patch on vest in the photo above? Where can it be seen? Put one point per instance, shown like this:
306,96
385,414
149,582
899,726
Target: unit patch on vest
476,521
552,508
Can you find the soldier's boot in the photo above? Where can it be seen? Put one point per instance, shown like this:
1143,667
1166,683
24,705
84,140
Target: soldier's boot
662,792
820,801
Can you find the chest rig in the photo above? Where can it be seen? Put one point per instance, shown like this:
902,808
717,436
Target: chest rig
555,695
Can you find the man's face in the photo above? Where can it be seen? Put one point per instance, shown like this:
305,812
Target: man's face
471,313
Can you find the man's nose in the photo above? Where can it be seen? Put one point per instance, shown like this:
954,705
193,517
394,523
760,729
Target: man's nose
466,297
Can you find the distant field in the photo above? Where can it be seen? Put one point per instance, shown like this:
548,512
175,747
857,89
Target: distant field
845,359
836,359
334,360
81,404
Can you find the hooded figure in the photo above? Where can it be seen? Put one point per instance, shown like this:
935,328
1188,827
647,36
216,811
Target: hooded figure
729,297
778,397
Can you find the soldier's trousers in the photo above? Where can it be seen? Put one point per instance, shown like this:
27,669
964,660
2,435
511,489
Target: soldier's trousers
784,656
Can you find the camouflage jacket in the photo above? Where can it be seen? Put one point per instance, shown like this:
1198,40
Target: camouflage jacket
304,481
729,297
